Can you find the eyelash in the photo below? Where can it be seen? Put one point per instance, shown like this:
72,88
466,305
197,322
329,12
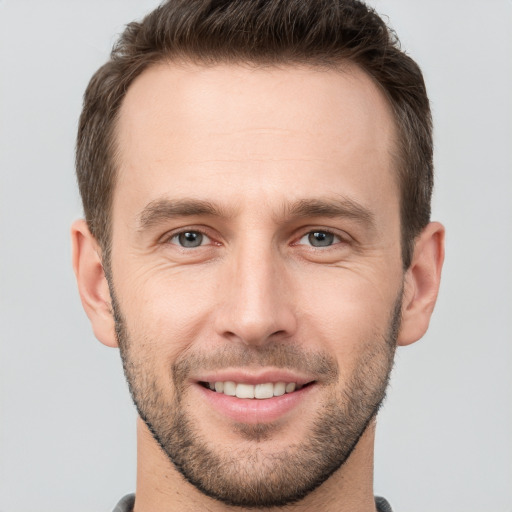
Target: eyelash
176,236
336,237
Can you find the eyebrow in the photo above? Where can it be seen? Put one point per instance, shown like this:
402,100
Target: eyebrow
337,208
164,209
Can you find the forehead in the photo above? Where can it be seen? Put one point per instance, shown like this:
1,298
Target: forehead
292,128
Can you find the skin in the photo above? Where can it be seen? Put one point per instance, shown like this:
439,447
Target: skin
256,144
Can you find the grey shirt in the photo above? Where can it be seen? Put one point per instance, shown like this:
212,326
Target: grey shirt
126,504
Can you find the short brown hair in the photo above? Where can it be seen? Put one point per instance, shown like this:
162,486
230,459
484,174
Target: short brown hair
267,32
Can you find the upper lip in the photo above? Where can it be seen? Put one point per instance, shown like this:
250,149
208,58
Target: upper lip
246,376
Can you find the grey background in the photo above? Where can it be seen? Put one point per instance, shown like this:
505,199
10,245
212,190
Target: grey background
67,426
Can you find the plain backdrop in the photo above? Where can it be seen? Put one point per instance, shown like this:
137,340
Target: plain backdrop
67,425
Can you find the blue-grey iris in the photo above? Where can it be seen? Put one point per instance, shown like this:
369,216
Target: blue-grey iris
190,239
320,238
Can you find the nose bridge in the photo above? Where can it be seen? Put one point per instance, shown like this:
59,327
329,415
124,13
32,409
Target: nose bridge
256,303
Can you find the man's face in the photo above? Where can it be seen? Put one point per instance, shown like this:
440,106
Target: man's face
256,250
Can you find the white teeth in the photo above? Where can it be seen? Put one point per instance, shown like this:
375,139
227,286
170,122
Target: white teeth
260,391
229,388
290,387
264,390
244,391
279,388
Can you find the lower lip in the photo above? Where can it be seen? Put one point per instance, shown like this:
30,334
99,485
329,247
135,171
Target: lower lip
252,411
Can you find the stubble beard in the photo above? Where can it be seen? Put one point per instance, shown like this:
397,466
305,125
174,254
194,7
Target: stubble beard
252,477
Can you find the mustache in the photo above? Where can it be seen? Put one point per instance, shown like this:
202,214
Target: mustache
283,356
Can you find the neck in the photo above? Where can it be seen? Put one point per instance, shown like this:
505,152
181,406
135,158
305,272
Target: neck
161,487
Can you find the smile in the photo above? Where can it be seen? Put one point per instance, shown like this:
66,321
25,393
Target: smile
255,399
258,391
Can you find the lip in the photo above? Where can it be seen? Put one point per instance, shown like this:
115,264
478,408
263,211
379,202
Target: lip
254,411
247,377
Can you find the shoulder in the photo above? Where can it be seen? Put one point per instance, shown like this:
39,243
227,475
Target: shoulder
125,504
382,504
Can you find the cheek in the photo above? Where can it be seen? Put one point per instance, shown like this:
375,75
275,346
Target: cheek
168,309
344,311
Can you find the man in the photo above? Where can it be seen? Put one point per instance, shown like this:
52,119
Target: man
256,179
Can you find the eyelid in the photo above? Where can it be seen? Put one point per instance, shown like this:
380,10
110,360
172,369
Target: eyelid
169,235
342,236
205,240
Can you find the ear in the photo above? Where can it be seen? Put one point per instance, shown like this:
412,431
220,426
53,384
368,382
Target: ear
92,283
422,283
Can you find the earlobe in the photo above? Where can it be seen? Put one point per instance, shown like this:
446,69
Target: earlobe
422,283
92,283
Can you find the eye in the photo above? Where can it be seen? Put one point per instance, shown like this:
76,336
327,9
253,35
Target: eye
189,239
320,239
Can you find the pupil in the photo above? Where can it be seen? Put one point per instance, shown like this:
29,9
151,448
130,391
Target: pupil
190,239
321,239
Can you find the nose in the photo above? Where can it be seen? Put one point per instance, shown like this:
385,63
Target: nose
255,304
